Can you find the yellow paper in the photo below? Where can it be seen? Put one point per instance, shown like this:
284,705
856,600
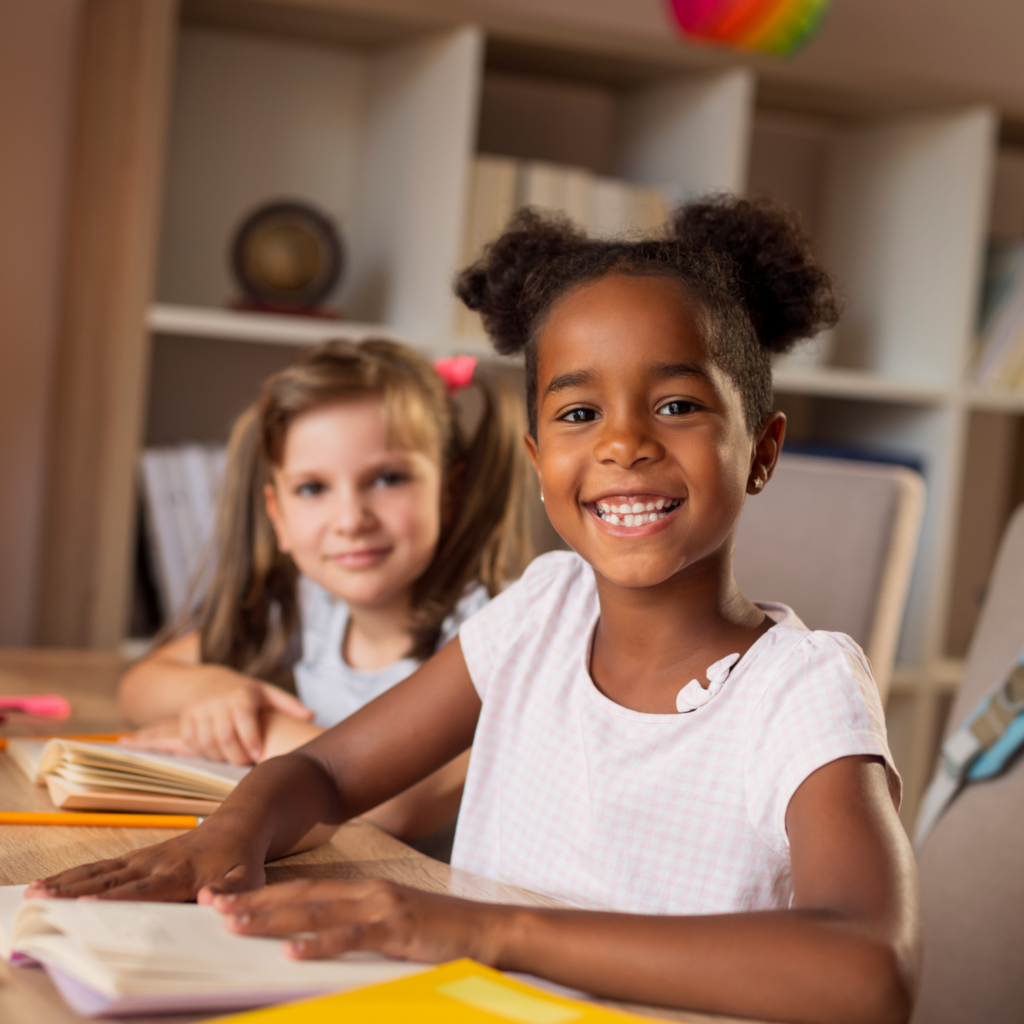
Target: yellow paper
462,992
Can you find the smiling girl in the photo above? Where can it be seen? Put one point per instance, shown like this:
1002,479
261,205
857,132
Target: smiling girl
357,519
702,780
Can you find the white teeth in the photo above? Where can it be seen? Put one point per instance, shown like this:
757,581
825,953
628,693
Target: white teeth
630,520
638,506
650,506
623,509
659,504
613,519
606,509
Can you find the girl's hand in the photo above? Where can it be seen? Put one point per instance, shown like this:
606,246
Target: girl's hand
174,870
164,737
373,915
226,725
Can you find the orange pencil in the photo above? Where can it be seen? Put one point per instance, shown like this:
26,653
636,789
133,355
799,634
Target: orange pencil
106,737
115,820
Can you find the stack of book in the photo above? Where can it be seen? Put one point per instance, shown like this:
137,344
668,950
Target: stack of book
603,207
999,362
179,491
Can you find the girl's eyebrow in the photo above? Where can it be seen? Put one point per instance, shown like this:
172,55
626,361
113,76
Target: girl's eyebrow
574,379
669,371
661,371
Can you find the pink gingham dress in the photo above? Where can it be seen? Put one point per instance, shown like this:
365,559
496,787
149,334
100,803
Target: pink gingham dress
572,795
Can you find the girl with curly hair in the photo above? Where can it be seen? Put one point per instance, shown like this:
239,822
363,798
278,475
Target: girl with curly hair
702,781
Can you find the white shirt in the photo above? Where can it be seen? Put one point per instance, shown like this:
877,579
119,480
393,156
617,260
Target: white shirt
325,682
572,795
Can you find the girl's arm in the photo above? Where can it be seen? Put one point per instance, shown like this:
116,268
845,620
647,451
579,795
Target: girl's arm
295,801
846,951
217,709
419,811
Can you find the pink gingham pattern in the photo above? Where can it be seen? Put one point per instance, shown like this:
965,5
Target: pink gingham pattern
572,795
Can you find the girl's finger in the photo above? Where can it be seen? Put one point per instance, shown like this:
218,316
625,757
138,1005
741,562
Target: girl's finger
334,941
281,701
229,746
203,737
84,872
299,891
247,728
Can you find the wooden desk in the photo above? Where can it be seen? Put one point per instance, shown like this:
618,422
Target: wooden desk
357,851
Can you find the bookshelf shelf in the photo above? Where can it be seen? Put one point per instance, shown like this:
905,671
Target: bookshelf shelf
856,384
269,328
994,401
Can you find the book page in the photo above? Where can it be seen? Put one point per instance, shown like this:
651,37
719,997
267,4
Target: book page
105,763
167,949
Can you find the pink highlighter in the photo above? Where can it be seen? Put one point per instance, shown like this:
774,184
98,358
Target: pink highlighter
43,705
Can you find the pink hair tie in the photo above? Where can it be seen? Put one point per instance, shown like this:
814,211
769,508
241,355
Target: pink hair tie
456,371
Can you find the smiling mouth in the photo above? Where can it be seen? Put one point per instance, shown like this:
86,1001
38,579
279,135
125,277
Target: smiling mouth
636,513
357,559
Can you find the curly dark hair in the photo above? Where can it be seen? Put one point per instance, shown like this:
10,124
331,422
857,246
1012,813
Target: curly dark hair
748,264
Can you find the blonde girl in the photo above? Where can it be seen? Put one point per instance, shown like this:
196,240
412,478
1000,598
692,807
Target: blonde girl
359,526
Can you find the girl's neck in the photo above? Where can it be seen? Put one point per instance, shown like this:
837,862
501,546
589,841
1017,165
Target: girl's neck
650,642
378,636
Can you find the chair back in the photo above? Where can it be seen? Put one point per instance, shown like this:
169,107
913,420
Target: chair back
835,539
972,882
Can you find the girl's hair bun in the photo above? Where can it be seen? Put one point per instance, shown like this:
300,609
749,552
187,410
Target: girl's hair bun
787,295
505,284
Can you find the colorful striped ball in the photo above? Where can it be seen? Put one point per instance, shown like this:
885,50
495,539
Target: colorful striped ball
780,27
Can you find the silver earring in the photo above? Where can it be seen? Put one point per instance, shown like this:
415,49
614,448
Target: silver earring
542,497
758,483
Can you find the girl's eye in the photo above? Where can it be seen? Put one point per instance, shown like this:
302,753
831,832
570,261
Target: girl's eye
391,479
580,416
677,407
310,489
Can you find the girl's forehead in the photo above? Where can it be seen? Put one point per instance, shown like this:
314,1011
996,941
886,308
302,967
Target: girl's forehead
623,321
354,431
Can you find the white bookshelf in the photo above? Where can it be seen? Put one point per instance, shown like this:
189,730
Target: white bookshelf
382,136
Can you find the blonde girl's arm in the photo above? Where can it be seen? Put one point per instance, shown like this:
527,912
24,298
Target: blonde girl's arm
200,708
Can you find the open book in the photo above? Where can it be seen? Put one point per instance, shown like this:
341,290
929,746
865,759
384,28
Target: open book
108,777
116,958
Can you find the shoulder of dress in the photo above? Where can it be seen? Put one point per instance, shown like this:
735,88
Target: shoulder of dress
557,565
816,657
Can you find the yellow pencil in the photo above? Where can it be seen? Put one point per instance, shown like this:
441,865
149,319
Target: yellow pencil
115,820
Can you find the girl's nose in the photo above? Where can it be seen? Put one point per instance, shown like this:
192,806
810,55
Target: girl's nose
352,514
626,440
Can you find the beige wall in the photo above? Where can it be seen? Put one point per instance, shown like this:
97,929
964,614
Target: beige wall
36,64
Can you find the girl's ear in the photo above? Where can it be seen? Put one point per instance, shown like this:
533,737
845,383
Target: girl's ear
767,446
275,517
534,453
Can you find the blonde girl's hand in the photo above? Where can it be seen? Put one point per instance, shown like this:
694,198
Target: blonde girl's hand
334,917
226,725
